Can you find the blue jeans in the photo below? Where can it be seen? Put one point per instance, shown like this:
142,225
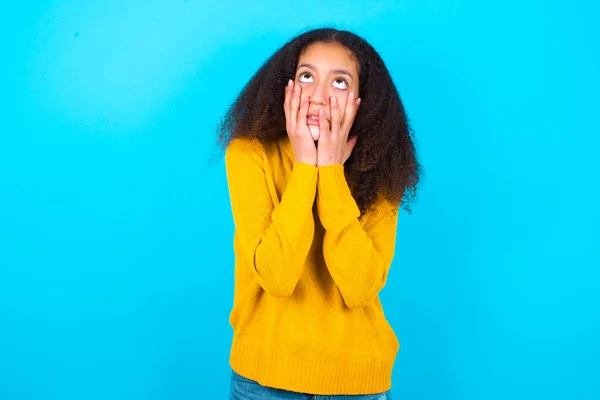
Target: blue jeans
246,389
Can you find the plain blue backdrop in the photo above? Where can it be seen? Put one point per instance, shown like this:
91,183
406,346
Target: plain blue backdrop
116,260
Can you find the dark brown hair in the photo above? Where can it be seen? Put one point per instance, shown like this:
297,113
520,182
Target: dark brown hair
383,161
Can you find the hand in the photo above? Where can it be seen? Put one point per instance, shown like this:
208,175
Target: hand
303,144
334,146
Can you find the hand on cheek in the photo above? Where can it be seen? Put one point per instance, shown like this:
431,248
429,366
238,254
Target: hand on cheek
334,146
296,109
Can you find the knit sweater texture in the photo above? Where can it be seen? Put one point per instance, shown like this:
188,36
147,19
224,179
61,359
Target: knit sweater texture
309,267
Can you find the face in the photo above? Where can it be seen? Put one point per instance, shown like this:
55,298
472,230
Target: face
325,70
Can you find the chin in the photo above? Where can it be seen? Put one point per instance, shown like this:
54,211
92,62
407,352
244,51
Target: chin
314,132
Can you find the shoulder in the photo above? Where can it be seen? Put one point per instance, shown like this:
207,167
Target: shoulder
245,146
265,151
242,151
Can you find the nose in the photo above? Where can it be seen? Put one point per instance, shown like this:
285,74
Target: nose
319,94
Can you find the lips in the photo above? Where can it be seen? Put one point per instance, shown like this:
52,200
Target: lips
312,119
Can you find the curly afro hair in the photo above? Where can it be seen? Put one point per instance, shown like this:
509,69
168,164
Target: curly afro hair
383,162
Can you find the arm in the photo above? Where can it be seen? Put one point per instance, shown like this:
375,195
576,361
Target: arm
275,239
357,257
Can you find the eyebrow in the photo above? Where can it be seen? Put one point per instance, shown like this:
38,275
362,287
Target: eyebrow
335,71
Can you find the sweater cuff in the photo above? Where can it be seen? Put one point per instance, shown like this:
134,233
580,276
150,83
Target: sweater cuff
303,182
332,182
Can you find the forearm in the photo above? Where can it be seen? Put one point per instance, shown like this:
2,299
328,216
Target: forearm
357,257
274,238
281,251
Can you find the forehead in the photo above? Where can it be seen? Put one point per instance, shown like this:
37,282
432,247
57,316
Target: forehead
329,56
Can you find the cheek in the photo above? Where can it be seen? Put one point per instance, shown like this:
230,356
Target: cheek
354,89
303,96
305,90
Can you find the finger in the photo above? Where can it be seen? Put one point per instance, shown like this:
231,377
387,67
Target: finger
351,143
303,111
336,114
323,123
350,112
286,101
295,103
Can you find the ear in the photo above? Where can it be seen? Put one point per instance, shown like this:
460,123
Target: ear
349,147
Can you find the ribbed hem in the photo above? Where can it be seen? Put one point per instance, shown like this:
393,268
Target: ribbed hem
312,377
303,181
332,181
335,202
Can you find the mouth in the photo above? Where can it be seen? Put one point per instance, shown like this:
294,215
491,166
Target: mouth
312,119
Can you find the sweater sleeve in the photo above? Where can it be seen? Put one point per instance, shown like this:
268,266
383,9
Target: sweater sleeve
357,257
275,238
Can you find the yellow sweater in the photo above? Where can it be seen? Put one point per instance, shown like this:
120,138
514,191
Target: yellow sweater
306,313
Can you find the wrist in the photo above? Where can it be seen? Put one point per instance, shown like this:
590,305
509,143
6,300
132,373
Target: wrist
309,161
328,162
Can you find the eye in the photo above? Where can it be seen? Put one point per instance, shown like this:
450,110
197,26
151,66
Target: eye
340,83
305,77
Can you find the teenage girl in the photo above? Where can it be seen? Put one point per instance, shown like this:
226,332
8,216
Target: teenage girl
319,158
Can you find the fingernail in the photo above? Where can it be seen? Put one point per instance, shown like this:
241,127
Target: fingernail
297,88
290,82
333,99
358,101
352,94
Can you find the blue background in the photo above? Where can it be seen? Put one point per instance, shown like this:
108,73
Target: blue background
116,262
